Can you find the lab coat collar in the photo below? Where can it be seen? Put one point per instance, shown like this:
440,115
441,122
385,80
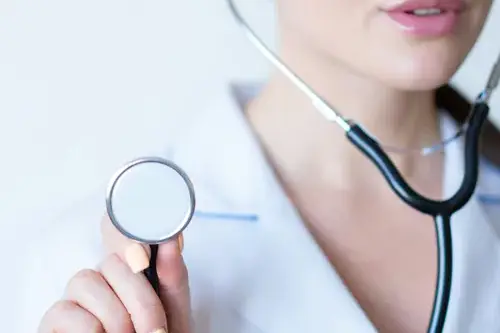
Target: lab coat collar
224,160
296,289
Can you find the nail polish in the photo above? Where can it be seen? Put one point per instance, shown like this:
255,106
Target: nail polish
180,242
136,257
161,330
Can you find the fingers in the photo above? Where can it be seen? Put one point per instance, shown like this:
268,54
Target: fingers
174,286
90,291
112,300
67,317
136,294
134,254
172,272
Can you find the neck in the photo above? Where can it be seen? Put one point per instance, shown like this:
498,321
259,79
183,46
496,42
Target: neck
300,140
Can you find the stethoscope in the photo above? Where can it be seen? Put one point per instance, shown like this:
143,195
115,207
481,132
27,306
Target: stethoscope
151,189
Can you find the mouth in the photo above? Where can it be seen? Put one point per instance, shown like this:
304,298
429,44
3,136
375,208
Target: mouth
426,18
426,7
423,12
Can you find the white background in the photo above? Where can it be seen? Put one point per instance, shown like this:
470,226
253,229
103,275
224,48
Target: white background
88,85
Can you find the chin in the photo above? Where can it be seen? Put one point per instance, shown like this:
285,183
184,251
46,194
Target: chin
421,73
417,80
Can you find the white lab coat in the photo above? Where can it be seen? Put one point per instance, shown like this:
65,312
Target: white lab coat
253,266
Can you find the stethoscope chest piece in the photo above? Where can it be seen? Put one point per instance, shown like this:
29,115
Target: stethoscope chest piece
150,200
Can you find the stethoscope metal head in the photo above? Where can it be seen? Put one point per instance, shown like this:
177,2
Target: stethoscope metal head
492,83
150,200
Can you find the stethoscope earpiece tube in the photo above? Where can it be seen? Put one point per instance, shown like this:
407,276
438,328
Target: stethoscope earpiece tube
151,272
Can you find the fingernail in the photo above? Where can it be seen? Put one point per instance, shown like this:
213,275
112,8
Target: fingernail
161,330
180,242
136,258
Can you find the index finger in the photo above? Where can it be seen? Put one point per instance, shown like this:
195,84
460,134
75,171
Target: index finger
136,255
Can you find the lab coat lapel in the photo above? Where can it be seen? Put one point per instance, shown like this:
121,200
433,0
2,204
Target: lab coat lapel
292,287
476,250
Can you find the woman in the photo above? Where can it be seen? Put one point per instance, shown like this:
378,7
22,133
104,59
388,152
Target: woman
317,241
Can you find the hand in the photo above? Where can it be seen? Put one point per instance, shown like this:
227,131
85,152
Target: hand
117,298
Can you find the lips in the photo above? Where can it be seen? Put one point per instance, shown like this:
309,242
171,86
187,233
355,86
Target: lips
426,18
411,5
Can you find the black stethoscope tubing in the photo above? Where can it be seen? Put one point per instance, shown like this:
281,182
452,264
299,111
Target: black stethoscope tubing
441,211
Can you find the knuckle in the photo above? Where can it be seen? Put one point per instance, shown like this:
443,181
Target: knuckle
110,264
84,278
61,307
111,260
94,325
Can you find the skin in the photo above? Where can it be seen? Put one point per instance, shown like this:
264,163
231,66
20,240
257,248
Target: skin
359,61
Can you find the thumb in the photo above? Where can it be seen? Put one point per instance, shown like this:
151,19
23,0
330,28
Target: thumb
174,286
